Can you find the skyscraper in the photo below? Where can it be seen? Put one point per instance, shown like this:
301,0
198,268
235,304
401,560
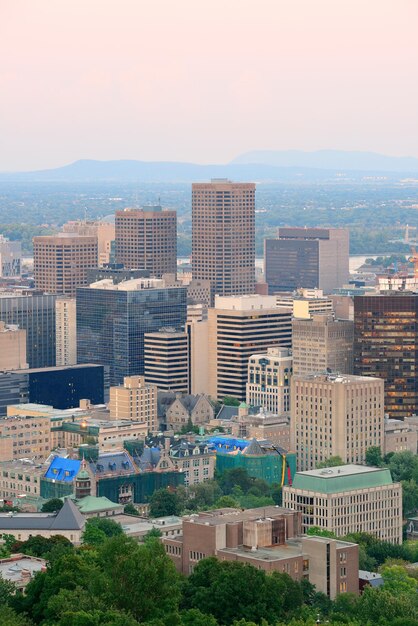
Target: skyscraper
146,238
60,262
166,358
103,231
66,331
223,236
10,258
307,257
386,345
113,318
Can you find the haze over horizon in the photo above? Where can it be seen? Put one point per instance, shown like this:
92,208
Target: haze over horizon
90,79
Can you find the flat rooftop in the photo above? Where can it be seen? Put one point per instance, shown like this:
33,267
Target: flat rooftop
12,567
230,515
335,377
343,478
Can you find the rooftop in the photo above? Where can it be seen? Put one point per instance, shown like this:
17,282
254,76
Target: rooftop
230,515
68,518
343,478
335,377
17,566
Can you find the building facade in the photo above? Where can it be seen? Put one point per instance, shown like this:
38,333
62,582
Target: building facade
386,345
322,343
12,348
136,399
103,231
237,328
305,302
223,235
307,257
113,318
66,331
31,436
60,262
166,360
147,239
335,415
10,258
348,499
269,377
195,460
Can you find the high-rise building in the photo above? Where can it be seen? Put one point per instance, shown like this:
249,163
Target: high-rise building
146,238
103,231
10,258
12,348
239,326
223,236
307,257
34,313
197,329
166,359
348,499
60,262
386,345
305,302
135,400
113,318
335,415
322,343
268,383
66,331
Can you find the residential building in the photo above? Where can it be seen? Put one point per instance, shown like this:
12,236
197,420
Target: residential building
223,235
267,538
348,499
60,262
195,460
400,435
66,331
136,400
33,312
10,258
322,343
386,345
240,326
335,415
146,238
269,380
31,436
307,257
113,318
177,410
19,569
305,302
103,231
166,359
12,347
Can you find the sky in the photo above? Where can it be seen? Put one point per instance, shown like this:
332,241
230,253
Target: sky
204,80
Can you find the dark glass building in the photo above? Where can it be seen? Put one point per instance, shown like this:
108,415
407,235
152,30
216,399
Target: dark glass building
386,346
112,320
36,314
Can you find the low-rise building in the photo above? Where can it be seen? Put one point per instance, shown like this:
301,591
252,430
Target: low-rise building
30,437
348,499
135,400
20,478
195,460
400,435
19,569
12,347
176,410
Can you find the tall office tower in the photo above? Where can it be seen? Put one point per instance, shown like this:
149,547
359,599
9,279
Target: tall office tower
146,238
197,328
60,262
268,383
34,313
322,343
166,360
335,415
386,345
223,235
103,231
12,348
240,326
10,258
135,400
113,318
66,331
307,257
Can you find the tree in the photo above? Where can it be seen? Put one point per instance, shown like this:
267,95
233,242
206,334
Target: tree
108,526
194,617
7,591
226,502
164,502
409,497
154,533
235,477
374,457
333,461
129,509
320,532
10,618
42,547
93,536
229,401
402,465
52,506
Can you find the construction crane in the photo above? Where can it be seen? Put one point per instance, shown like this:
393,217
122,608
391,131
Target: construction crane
414,260
285,464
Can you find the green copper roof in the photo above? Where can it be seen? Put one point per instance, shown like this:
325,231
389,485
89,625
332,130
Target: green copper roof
91,504
243,405
83,475
344,478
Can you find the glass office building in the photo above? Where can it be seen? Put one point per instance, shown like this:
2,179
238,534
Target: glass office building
112,320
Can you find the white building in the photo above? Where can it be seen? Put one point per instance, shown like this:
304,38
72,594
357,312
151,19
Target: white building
66,331
269,380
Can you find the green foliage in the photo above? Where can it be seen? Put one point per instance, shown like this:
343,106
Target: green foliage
10,618
320,532
226,502
154,533
229,401
7,591
164,502
130,509
98,529
189,427
333,461
41,546
374,457
53,505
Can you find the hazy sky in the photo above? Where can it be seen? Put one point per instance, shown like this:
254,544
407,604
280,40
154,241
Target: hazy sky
204,80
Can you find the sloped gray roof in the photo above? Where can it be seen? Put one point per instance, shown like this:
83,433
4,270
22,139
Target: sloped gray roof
68,518
253,449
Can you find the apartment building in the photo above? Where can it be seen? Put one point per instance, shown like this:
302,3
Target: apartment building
269,377
348,499
136,400
305,302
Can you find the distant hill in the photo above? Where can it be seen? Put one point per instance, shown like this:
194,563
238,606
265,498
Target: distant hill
330,160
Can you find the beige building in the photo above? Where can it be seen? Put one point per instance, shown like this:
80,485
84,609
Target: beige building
322,343
184,408
146,238
103,231
223,235
260,425
66,331
197,329
335,415
30,436
10,258
400,435
269,539
60,262
348,499
269,377
135,400
166,360
20,478
240,326
305,302
12,347
195,460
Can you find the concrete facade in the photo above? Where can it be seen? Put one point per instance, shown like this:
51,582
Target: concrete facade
66,331
269,377
12,348
31,436
136,400
103,231
10,258
166,360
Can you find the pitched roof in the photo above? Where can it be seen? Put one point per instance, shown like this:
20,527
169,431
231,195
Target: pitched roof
91,504
63,469
254,449
68,518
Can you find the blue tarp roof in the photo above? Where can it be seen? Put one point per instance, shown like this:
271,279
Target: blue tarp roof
228,444
63,469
